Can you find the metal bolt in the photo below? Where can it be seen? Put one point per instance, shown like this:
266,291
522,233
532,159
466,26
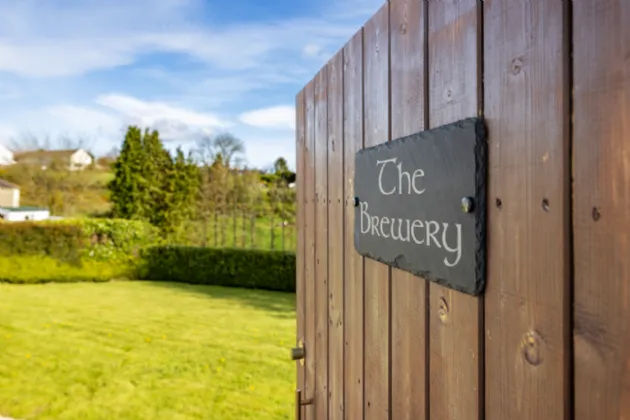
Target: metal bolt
356,201
298,353
468,204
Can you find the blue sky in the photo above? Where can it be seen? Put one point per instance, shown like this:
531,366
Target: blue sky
190,68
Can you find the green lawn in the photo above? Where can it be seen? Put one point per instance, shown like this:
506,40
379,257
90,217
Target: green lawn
145,350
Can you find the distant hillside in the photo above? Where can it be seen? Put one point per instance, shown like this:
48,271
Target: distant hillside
81,193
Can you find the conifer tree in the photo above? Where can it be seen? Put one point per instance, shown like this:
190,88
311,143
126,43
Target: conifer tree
126,186
157,171
185,188
149,184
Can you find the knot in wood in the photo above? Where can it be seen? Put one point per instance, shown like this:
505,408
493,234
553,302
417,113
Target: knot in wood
596,214
517,65
545,204
403,28
448,95
532,349
443,309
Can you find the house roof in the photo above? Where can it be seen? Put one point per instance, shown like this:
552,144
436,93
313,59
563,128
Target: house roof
44,154
7,184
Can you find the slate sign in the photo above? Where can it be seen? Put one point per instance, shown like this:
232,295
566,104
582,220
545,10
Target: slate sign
420,204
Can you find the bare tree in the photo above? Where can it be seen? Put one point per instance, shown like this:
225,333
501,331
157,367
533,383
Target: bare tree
205,151
27,141
219,194
226,146
67,142
231,149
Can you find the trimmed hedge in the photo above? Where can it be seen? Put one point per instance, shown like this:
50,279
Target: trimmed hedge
36,269
62,242
254,269
72,250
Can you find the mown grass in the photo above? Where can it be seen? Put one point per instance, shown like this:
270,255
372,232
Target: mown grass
31,269
143,350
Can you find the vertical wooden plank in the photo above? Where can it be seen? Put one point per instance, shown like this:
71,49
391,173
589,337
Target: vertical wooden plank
321,245
353,262
309,248
455,319
527,295
409,293
300,254
335,237
601,212
377,281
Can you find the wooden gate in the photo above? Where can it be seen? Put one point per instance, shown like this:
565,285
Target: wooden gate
550,337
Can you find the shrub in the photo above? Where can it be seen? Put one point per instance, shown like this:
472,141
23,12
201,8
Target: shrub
255,269
72,249
62,242
116,239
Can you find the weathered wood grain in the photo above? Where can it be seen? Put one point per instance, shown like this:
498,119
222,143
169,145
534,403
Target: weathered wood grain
527,296
300,255
335,237
456,370
601,208
353,262
409,293
309,248
321,244
377,279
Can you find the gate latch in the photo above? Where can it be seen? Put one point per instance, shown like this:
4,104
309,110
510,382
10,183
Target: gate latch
299,403
298,353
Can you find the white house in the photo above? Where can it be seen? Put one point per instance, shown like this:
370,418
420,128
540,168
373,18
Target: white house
10,209
6,156
22,214
80,160
9,194
74,159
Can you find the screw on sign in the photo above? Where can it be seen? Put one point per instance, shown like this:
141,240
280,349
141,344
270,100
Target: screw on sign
468,205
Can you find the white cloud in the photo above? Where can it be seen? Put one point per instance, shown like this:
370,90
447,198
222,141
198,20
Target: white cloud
175,124
273,117
99,129
41,40
70,57
103,123
263,63
45,39
312,50
84,119
148,112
